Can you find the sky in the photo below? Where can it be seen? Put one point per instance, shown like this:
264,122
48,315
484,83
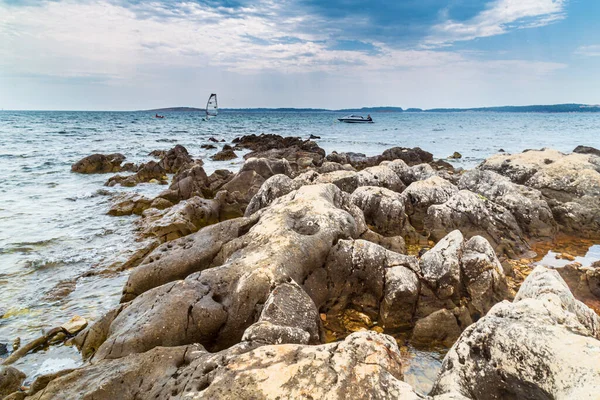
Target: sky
130,55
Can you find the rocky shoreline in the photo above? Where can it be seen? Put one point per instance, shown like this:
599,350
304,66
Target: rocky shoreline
287,278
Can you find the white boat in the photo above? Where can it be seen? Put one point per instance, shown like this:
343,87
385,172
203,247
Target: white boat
212,108
356,119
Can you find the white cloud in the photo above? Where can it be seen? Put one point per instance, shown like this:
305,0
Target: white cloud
589,51
500,17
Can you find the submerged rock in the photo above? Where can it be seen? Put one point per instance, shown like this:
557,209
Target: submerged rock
99,164
543,345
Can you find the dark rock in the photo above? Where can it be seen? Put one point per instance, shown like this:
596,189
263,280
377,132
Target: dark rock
456,155
158,153
99,164
208,146
213,139
224,155
439,327
586,150
129,203
146,173
10,380
314,137
175,159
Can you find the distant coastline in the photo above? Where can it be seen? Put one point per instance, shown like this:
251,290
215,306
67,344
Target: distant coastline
551,108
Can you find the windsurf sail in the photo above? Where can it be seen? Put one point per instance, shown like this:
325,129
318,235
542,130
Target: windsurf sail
212,108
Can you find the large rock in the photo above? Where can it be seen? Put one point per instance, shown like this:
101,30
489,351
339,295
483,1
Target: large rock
291,239
543,345
11,380
383,210
440,327
365,365
272,189
180,220
570,184
175,159
474,215
422,194
99,164
145,173
129,203
400,296
360,161
528,206
584,283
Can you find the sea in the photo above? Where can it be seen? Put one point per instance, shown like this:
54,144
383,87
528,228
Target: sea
55,231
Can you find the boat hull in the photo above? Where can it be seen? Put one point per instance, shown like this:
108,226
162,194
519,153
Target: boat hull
355,121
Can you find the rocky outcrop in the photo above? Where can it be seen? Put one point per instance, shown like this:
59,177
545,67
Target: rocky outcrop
543,345
365,365
175,159
360,161
527,205
99,164
188,182
129,203
584,283
11,380
180,220
291,239
422,194
225,154
145,173
300,154
474,215
569,183
586,150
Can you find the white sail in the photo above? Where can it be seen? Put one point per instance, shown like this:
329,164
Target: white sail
212,109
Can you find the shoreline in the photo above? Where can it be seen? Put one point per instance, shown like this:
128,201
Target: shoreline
374,207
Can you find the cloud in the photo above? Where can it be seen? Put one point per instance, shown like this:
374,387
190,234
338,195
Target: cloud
589,51
501,16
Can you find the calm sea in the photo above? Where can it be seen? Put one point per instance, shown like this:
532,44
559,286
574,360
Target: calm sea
53,223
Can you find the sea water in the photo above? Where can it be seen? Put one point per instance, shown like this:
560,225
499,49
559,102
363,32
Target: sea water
54,229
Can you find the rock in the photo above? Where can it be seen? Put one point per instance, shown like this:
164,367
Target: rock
401,293
224,155
456,155
370,361
3,349
584,283
474,215
175,159
439,327
542,345
208,146
288,316
298,158
10,380
99,164
267,167
157,153
160,203
459,272
291,239
75,325
182,257
356,160
188,182
129,203
569,183
411,157
329,166
422,194
273,188
180,220
586,150
314,137
145,173
527,205
382,176
383,210
214,140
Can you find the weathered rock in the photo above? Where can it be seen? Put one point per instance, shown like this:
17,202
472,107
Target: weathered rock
182,257
208,146
544,345
180,220
586,150
273,188
438,327
129,203
441,266
456,155
288,316
401,293
175,159
329,166
145,173
369,361
291,239
383,210
99,164
267,167
382,176
188,182
584,283
411,157
527,205
422,194
474,215
10,380
224,155
570,184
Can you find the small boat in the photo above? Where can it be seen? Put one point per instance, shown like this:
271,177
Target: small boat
212,108
158,116
356,119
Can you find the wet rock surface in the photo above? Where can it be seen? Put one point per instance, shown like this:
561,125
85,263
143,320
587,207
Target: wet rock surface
99,164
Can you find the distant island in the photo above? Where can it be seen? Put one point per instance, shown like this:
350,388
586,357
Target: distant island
552,108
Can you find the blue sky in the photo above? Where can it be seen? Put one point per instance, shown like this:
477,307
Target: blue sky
126,55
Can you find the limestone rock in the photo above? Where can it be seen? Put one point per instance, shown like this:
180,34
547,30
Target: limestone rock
542,345
99,164
401,293
129,203
422,194
383,210
439,327
175,159
10,380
